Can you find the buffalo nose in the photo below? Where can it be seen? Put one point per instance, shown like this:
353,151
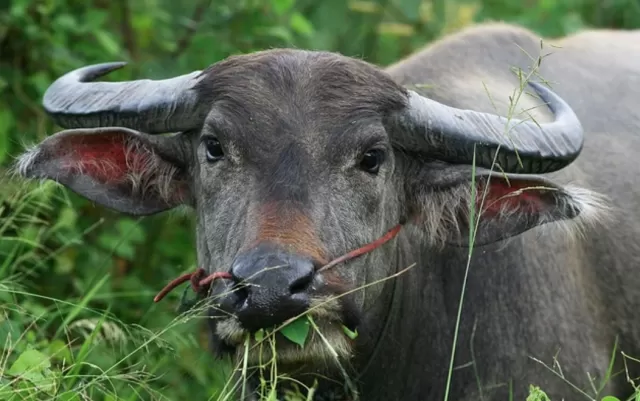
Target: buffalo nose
271,286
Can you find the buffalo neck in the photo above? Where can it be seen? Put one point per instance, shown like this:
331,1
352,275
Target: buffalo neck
415,302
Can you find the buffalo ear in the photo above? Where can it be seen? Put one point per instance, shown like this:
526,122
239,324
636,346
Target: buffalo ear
121,169
498,206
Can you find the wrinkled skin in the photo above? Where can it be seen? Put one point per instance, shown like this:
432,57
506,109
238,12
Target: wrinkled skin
294,127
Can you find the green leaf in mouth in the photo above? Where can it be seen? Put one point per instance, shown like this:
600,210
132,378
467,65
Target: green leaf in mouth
351,334
297,331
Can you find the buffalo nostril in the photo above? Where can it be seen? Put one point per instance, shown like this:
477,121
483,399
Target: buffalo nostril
301,284
241,293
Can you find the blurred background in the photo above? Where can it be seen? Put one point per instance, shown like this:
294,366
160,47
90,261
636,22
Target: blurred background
77,281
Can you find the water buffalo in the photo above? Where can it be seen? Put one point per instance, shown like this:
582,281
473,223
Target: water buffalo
291,158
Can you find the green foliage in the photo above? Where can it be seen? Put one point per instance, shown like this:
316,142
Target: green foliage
536,394
297,331
77,319
351,334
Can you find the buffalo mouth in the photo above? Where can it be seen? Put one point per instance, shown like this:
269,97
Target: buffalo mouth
321,337
269,359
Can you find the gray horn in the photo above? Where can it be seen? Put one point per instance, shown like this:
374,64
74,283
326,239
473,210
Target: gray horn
161,106
449,134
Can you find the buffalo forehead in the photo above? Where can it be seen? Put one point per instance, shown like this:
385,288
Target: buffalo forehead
303,95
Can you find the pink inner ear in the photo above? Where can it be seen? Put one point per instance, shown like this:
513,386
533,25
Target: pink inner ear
503,196
106,158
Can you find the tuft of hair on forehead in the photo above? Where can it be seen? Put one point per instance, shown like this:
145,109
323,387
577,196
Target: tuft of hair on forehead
319,82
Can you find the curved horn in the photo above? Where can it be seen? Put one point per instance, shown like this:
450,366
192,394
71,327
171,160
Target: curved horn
151,106
451,134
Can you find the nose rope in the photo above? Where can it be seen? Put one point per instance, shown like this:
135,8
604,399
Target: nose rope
364,249
200,281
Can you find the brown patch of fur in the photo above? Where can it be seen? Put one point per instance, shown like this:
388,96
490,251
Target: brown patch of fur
290,228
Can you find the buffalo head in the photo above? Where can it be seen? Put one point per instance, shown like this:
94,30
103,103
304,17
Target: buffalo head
291,158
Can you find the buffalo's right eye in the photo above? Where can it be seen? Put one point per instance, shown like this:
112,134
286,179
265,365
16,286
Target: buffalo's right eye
214,150
372,160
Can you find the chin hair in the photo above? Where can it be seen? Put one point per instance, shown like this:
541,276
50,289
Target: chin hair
326,312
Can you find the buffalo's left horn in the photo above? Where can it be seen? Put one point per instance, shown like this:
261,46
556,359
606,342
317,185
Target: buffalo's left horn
449,134
151,106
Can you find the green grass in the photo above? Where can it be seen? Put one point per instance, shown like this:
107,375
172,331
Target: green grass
66,349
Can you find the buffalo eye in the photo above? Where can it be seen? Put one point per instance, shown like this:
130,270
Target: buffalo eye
372,160
214,149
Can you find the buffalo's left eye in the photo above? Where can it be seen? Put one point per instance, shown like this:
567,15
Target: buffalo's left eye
372,160
214,150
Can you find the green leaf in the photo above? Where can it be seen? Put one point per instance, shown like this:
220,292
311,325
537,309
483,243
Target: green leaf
9,333
364,7
273,396
33,366
297,331
282,6
259,335
536,394
118,245
410,8
277,32
351,334
67,218
65,22
95,18
6,123
131,230
334,18
107,42
610,398
123,242
19,9
29,360
300,24
65,261
40,81
68,396
58,349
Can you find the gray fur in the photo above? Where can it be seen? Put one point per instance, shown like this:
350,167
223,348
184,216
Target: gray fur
539,295
294,124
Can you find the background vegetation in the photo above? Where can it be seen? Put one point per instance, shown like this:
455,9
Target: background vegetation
77,319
